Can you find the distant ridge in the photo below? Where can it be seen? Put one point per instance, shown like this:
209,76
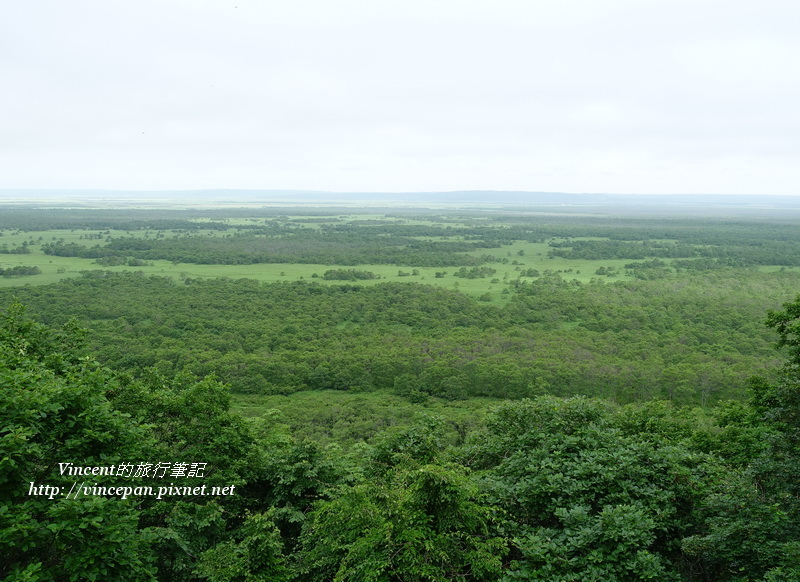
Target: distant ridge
570,202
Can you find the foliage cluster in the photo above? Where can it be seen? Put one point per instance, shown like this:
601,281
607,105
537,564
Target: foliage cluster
19,271
14,250
348,275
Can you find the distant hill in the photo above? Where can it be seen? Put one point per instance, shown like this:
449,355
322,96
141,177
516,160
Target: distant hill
517,200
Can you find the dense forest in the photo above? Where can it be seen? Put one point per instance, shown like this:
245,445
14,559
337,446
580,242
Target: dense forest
626,341
547,489
398,395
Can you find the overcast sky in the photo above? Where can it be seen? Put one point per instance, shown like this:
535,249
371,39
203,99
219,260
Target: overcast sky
622,96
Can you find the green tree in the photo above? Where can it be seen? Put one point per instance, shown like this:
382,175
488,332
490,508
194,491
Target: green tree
411,518
787,324
418,522
752,521
255,554
57,406
589,500
53,409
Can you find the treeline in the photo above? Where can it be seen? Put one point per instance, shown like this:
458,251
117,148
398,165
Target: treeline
615,249
692,340
691,231
269,236
23,249
546,489
773,252
19,271
115,261
348,275
488,227
30,219
475,272
300,246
